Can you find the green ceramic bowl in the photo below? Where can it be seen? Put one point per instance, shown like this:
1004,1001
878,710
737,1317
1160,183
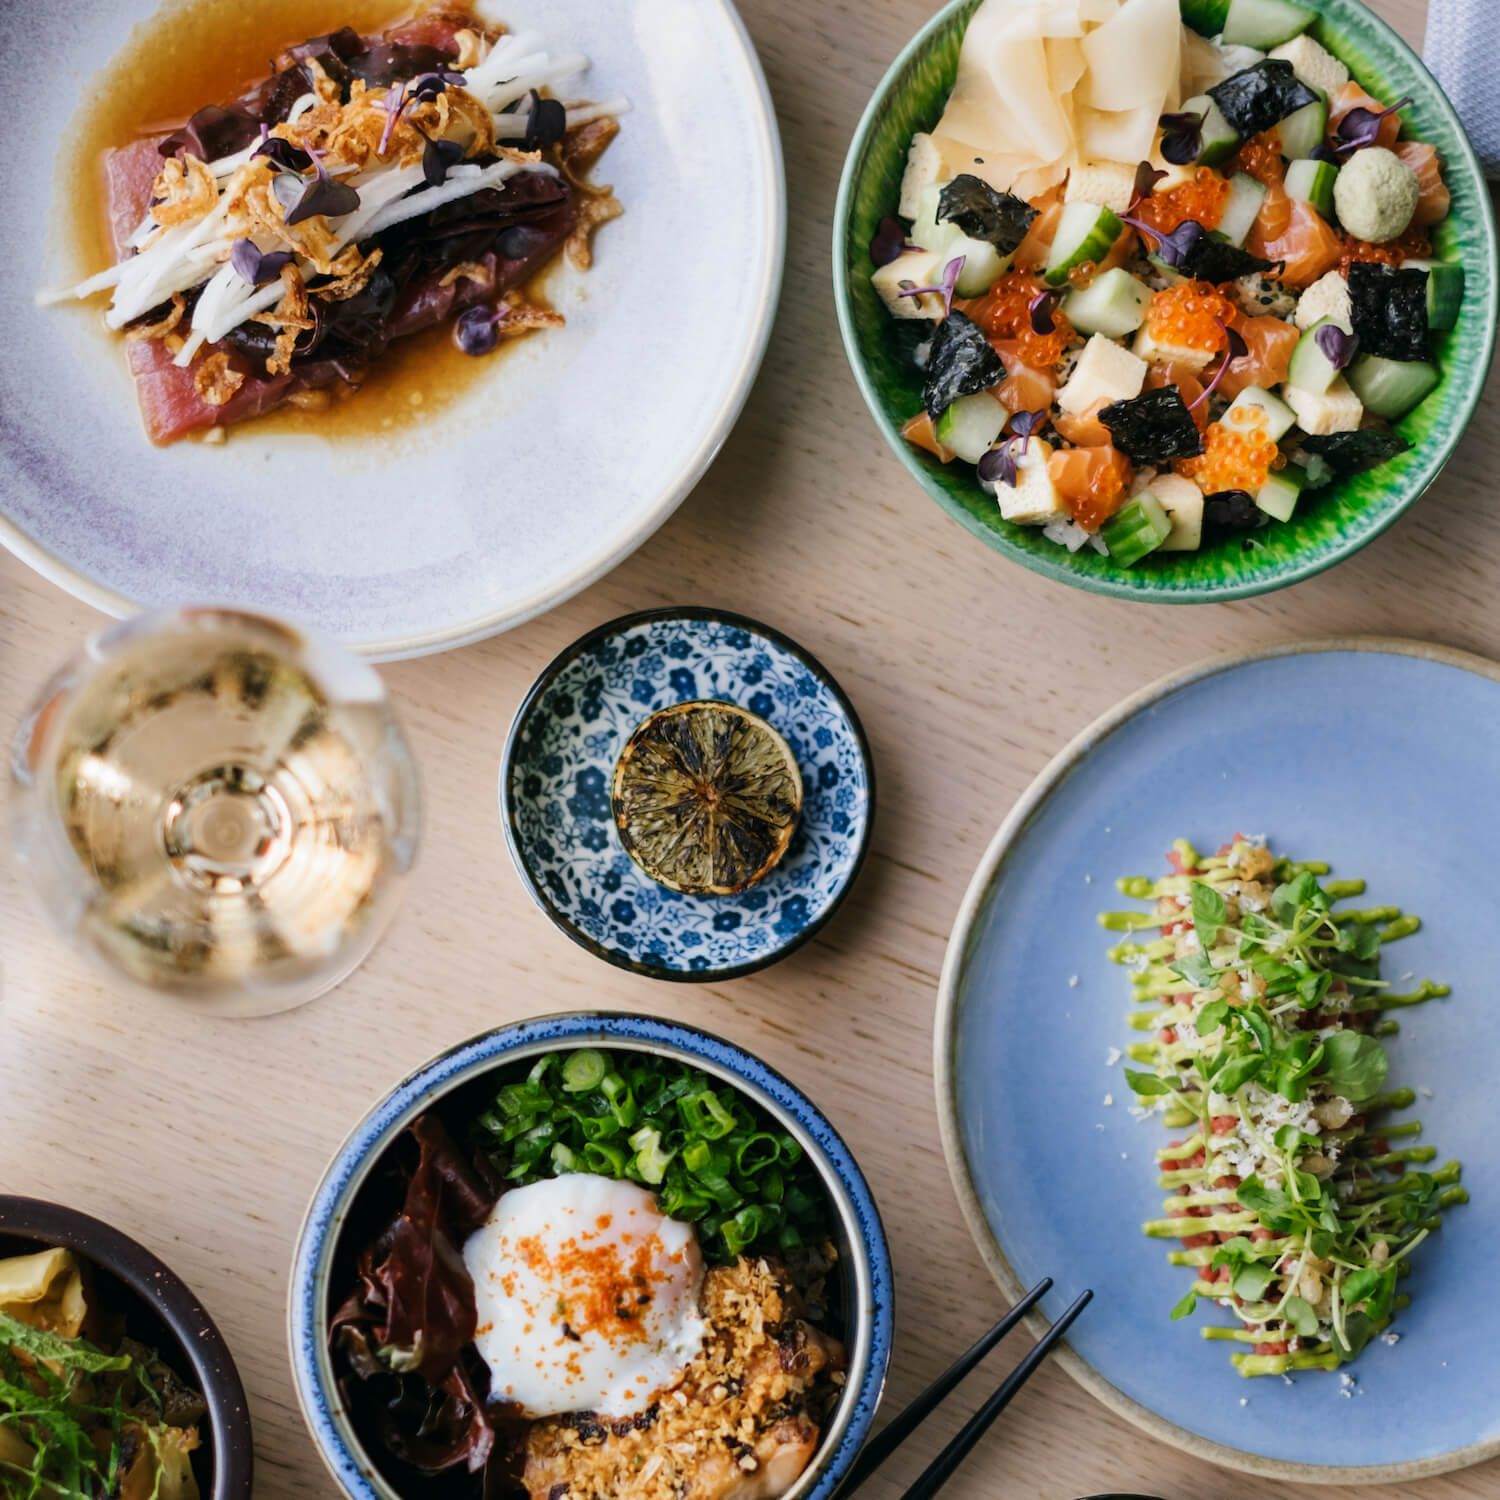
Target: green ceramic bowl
1329,525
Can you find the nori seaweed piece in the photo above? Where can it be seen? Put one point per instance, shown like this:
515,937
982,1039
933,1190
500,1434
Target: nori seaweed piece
1261,96
1353,452
1389,310
983,213
961,363
1153,427
1213,259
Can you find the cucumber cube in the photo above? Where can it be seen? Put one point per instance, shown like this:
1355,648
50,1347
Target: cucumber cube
1256,408
1445,291
1279,495
1136,530
1311,182
1241,207
1265,23
1113,304
1220,140
1309,368
1086,233
1390,387
1304,129
971,425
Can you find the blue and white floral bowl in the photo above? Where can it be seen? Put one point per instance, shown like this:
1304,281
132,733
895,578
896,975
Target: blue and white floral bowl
559,763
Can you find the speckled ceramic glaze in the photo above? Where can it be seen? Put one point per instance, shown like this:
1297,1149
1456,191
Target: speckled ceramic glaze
559,766
1376,756
864,1255
160,1311
1329,525
553,465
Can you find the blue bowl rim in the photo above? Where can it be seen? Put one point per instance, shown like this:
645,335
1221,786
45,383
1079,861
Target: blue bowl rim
555,668
366,1143
201,1347
1048,779
1122,587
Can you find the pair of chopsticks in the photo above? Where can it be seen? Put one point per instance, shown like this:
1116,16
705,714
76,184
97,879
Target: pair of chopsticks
941,1469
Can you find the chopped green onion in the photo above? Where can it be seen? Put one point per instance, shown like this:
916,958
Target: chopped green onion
584,1070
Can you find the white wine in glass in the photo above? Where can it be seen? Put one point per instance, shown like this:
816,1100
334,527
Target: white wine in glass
219,805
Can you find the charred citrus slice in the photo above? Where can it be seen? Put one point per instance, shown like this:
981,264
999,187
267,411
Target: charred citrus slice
706,798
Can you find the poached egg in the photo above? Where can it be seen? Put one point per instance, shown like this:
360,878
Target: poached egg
587,1296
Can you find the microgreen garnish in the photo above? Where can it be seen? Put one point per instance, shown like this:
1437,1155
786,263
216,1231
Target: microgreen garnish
1039,311
888,242
1192,249
1146,178
1172,245
1000,464
1337,345
323,195
477,329
437,156
1235,348
281,153
1184,137
254,267
945,288
1361,127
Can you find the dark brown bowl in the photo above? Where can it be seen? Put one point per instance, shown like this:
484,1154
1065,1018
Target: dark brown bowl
159,1311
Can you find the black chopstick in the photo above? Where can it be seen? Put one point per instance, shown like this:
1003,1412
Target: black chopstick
901,1427
941,1468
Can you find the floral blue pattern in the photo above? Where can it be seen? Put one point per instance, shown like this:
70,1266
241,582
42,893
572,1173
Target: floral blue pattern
559,765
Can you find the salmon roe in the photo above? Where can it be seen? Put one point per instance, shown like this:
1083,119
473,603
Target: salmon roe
1261,158
1004,312
1189,315
1202,199
1232,459
1413,245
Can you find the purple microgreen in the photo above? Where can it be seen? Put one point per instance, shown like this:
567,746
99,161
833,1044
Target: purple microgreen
998,466
323,195
437,157
255,268
1146,178
477,329
1338,347
1184,137
287,189
426,88
888,241
546,123
282,154
1175,246
395,104
1361,127
1234,348
1024,423
945,288
1040,309
1324,153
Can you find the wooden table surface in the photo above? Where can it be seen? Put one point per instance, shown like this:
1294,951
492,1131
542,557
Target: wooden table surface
205,1139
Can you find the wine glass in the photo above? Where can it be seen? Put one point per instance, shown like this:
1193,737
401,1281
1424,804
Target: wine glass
219,805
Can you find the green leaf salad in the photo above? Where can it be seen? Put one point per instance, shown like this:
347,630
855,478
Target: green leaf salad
1265,1007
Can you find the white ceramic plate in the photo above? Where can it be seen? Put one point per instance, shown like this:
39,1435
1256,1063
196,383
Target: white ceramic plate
550,468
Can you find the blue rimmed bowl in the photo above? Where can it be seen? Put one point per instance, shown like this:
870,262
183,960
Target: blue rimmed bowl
863,1254
559,762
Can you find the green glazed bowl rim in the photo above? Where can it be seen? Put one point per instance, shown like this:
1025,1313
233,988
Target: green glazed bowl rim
1427,465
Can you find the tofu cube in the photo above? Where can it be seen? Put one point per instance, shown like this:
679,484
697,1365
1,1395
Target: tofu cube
1106,371
1154,352
1034,501
1109,184
1327,297
1339,410
1314,64
1183,502
912,268
934,159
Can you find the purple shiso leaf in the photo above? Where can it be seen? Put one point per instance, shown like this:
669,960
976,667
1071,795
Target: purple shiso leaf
951,272
282,154
888,241
1338,347
998,466
546,124
254,268
323,195
1040,311
1360,127
1184,137
476,330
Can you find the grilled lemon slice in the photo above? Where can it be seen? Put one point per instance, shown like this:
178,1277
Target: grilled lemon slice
706,798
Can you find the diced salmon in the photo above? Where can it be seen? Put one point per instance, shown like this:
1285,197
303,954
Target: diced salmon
1034,249
1024,387
1351,97
921,433
1092,482
1307,245
1433,199
1084,428
1269,342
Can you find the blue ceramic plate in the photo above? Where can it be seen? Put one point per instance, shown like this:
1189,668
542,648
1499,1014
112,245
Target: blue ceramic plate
864,1254
559,765
1377,756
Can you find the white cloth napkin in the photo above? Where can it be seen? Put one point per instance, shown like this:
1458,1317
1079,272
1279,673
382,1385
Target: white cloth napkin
1460,51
